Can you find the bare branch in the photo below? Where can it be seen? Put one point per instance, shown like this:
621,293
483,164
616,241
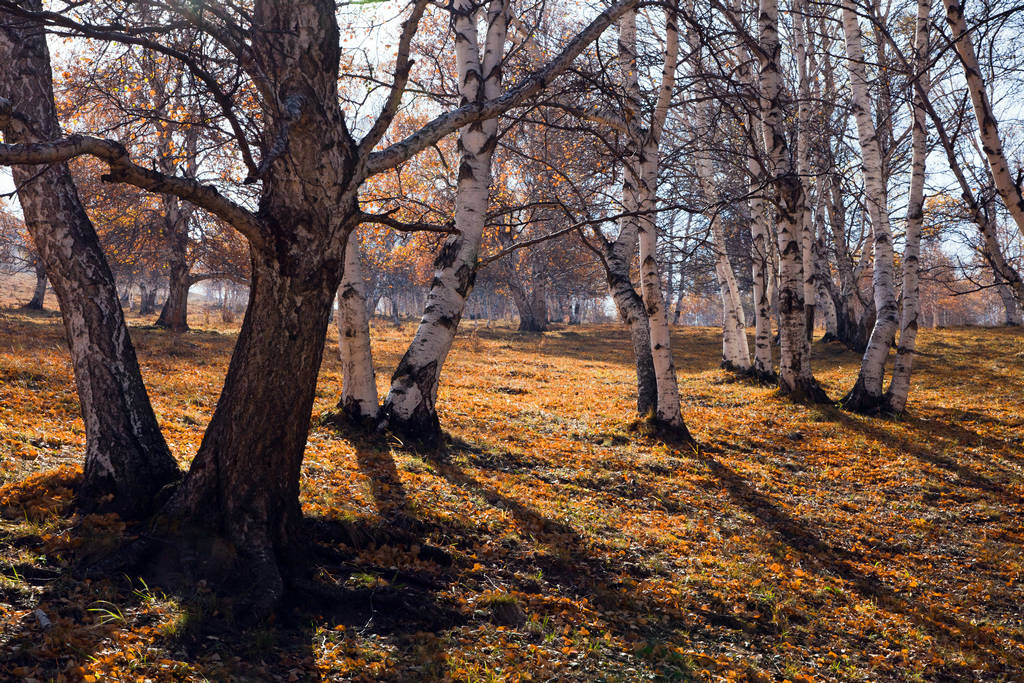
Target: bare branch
123,169
529,86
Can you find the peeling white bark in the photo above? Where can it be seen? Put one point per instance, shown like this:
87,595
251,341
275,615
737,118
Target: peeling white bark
359,386
866,395
899,385
668,410
795,376
410,404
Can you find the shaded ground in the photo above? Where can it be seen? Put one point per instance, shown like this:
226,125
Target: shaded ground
550,543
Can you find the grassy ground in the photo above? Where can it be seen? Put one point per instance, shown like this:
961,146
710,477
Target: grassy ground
550,543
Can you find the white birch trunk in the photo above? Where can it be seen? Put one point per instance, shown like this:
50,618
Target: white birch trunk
803,145
899,385
795,376
668,411
991,143
358,402
410,407
866,395
761,272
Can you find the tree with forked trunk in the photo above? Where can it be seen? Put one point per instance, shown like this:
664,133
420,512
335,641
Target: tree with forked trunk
795,377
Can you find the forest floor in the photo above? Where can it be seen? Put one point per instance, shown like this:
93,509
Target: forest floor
550,542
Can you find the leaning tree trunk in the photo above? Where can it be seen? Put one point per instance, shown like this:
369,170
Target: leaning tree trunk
988,128
244,481
358,404
39,295
243,484
126,458
410,407
795,378
899,385
867,394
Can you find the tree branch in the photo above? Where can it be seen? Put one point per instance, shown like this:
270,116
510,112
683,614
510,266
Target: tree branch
403,226
123,169
529,86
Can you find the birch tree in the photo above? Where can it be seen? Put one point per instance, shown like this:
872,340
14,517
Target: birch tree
126,457
988,127
795,377
899,385
410,406
668,412
358,404
867,394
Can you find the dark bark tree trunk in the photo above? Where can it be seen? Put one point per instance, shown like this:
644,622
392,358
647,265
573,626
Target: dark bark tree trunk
531,306
127,461
39,295
853,330
147,298
244,481
174,314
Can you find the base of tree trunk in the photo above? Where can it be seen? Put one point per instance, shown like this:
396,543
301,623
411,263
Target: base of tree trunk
532,326
806,391
766,377
732,367
829,338
650,426
420,432
171,326
888,408
178,556
347,416
32,306
858,400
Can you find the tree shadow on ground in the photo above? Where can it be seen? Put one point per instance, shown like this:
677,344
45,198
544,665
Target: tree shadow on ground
945,627
931,437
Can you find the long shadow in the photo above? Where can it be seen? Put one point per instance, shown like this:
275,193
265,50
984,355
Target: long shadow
945,627
572,565
386,486
67,618
965,474
575,568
